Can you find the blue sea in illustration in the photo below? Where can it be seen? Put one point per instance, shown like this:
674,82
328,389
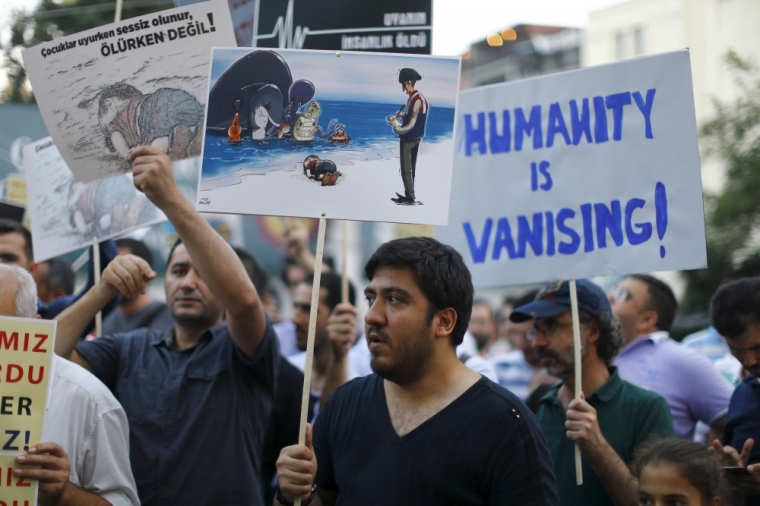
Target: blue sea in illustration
371,138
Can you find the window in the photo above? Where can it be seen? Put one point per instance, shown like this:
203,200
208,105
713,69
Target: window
638,41
620,46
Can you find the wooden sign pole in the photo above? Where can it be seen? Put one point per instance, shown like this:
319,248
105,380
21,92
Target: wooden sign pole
344,273
577,354
96,272
310,340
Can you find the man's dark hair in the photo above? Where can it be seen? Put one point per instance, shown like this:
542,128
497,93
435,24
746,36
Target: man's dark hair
60,275
333,283
439,272
610,338
661,300
171,252
9,226
736,305
137,248
259,277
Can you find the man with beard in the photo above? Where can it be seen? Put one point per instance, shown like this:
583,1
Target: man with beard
424,429
482,326
613,416
198,396
735,315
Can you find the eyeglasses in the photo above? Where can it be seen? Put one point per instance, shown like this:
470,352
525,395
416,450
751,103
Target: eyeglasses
548,328
620,294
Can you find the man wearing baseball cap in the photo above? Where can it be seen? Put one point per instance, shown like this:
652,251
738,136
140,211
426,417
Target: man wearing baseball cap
613,416
410,132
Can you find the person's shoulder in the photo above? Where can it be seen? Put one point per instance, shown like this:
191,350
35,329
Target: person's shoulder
83,383
497,398
355,391
631,394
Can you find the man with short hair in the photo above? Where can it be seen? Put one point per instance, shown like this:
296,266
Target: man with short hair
54,279
336,359
199,396
424,429
483,327
735,315
16,249
141,311
694,388
611,419
517,369
84,457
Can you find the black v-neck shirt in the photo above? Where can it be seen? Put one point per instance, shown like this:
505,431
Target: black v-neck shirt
483,448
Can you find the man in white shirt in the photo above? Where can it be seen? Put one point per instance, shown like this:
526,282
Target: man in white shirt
85,459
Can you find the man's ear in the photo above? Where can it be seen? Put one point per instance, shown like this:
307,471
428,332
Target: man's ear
649,318
592,331
444,322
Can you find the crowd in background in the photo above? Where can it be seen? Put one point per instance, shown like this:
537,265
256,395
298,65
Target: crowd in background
210,380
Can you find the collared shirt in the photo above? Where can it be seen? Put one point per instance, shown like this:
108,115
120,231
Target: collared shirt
627,415
197,417
84,418
694,388
514,372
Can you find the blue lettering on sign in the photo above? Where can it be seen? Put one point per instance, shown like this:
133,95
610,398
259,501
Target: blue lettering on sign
548,233
497,132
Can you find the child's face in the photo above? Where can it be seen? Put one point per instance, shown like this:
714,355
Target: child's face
663,485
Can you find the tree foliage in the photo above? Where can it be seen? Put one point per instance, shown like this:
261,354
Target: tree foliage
50,20
733,216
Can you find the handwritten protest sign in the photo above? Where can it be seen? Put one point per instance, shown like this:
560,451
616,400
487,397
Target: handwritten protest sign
66,215
589,172
141,81
298,133
26,352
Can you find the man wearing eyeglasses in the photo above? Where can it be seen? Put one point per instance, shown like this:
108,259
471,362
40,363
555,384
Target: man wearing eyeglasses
694,388
611,419
735,315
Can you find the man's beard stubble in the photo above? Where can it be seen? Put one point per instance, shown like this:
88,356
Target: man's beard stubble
415,355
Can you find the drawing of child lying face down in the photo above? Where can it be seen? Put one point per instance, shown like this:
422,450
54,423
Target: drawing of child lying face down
168,119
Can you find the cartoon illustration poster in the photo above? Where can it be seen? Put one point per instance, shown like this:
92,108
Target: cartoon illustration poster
141,81
358,136
67,215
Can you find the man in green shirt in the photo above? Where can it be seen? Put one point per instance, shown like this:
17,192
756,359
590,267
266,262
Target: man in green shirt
614,416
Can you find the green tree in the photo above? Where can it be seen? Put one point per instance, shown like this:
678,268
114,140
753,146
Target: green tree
732,218
50,20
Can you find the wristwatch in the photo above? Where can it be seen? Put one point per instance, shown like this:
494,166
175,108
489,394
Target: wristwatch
281,499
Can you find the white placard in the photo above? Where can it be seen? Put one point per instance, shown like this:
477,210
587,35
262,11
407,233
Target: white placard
140,81
67,215
585,173
303,115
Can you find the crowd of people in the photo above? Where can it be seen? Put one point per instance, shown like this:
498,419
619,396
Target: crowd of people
436,399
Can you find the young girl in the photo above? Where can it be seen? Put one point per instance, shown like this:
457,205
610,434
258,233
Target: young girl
674,472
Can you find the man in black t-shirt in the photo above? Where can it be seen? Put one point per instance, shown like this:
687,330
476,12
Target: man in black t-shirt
424,429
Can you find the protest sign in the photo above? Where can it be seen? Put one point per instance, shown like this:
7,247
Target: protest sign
392,26
67,215
298,133
141,81
26,353
585,173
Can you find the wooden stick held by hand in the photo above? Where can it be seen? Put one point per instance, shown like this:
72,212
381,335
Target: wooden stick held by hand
310,340
577,358
344,274
96,272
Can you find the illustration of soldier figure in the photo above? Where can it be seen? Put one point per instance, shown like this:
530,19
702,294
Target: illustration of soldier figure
168,119
409,124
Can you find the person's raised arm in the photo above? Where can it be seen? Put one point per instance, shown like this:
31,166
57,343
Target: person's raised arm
341,328
216,262
583,428
125,274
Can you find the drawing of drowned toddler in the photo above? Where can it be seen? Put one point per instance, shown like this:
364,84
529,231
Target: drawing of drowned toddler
168,119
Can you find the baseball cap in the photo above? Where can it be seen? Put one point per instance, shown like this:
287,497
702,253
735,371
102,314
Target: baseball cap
554,299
